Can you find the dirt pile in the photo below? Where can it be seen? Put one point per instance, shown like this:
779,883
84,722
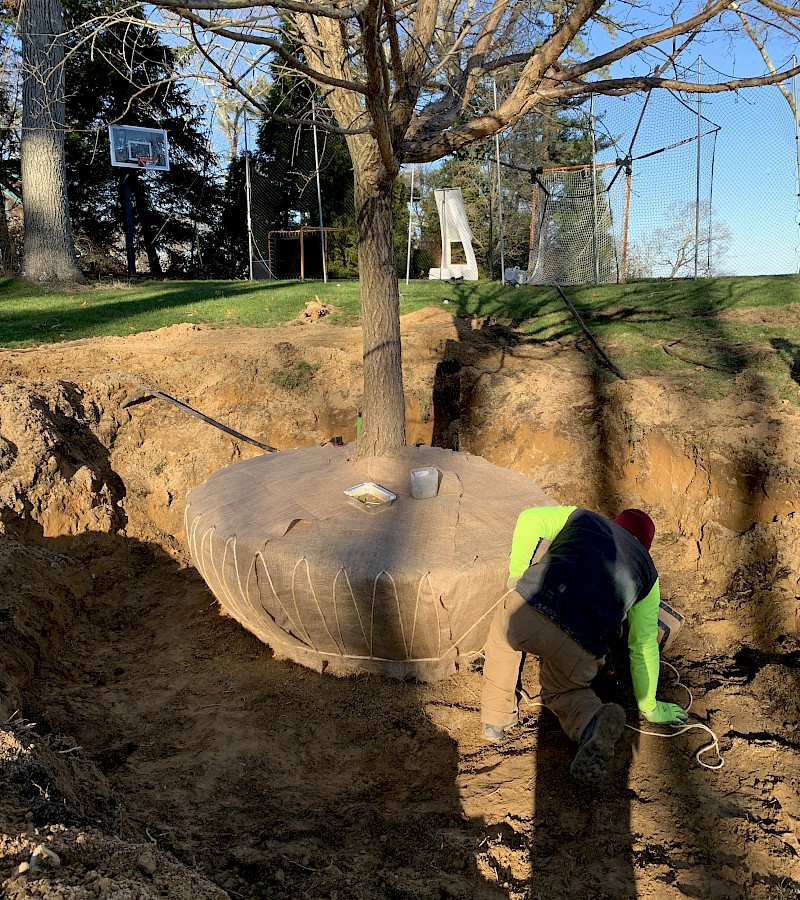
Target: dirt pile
173,756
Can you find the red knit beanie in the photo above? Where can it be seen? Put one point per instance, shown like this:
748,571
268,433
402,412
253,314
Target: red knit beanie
639,524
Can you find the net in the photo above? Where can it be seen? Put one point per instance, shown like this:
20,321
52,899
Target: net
578,225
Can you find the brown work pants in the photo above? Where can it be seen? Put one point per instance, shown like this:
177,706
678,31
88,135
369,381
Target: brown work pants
566,668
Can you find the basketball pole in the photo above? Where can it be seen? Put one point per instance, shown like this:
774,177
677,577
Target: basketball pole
247,188
127,214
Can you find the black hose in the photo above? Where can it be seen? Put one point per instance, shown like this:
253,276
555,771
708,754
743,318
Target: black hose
144,390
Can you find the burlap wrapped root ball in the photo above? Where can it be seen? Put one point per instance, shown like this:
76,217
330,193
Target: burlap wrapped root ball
406,590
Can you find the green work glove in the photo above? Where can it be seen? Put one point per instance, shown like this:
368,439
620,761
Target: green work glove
666,714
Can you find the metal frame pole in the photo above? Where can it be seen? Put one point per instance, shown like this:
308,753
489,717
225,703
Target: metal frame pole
625,228
319,194
499,195
410,215
797,143
594,194
445,236
697,177
249,198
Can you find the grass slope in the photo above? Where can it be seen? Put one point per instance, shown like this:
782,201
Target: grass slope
720,327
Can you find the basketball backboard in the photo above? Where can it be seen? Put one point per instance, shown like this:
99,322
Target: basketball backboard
139,148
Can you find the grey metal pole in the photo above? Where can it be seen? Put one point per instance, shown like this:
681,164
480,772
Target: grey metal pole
499,195
445,236
248,193
319,194
594,194
797,144
697,175
410,215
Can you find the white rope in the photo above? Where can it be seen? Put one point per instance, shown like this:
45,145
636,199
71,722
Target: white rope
694,726
712,745
680,729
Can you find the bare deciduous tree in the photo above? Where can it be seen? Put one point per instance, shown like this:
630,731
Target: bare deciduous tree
403,81
675,250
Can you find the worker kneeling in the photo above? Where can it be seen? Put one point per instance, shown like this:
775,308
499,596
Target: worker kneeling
568,609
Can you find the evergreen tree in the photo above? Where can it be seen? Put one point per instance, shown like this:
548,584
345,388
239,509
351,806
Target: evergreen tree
126,75
224,247
285,180
9,171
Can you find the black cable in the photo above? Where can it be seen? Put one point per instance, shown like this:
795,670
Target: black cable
143,390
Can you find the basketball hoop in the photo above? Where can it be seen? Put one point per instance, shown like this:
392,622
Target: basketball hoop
133,147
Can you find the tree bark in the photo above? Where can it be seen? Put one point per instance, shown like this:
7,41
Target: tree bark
383,430
48,250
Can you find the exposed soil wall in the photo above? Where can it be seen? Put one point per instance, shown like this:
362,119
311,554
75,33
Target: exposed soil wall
153,748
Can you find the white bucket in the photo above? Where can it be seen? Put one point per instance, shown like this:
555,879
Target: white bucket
424,483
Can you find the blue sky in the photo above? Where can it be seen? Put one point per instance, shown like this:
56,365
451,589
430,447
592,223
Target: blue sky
754,190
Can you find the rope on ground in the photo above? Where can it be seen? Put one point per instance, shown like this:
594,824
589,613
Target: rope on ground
694,726
682,729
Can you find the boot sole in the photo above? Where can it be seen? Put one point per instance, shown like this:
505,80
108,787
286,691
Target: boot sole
592,759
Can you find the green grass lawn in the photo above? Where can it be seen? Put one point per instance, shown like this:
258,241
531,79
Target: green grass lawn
720,326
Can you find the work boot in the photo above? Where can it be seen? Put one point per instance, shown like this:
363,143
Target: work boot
496,733
596,749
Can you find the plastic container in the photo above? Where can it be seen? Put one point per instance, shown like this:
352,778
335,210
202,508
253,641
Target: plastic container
424,483
370,497
669,624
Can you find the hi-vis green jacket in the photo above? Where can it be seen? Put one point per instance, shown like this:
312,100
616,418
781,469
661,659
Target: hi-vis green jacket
567,602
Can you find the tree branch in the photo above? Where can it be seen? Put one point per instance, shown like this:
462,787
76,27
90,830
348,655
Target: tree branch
290,6
275,46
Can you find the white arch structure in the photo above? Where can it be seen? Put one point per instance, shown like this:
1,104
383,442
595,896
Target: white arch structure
455,229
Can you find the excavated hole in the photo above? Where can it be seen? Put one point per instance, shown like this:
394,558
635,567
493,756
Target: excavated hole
268,780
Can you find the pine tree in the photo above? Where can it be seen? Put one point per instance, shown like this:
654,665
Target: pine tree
127,75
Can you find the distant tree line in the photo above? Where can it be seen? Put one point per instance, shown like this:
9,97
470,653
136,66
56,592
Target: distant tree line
192,220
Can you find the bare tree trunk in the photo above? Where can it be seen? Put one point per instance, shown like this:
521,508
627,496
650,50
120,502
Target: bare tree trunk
48,252
383,410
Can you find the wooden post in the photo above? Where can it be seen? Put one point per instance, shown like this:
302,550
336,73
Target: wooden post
302,256
624,273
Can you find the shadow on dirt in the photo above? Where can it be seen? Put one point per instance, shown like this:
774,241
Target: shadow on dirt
582,841
271,780
277,782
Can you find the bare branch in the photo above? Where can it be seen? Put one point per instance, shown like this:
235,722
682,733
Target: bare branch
785,12
273,45
287,6
764,55
688,26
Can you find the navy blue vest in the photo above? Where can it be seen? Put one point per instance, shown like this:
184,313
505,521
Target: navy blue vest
591,575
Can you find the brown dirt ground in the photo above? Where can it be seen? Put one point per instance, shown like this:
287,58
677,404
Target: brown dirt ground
150,747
